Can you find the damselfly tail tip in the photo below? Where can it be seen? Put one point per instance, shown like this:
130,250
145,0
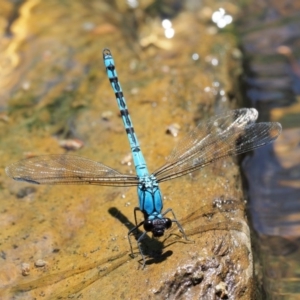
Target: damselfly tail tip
106,52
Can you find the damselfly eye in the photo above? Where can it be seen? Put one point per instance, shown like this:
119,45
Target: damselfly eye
148,225
168,223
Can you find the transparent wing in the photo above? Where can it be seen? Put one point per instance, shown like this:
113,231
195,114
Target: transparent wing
232,133
67,169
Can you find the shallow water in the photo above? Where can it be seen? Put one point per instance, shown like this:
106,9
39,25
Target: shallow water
270,36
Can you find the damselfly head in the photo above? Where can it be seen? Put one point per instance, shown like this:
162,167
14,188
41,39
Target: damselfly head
157,226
